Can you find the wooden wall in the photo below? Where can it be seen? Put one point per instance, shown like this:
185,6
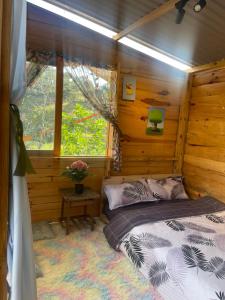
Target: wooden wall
43,187
141,154
144,154
204,160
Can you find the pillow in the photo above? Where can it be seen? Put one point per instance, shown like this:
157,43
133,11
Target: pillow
167,189
128,193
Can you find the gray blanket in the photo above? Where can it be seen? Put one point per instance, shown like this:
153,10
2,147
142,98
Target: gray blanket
126,220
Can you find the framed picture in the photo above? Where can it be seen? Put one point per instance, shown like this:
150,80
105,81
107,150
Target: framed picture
129,88
156,117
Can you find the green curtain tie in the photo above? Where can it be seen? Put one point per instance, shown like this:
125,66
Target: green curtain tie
23,164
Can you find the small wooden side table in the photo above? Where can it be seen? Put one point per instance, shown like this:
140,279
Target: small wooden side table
70,199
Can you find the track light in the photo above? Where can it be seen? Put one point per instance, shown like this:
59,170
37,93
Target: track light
199,5
180,16
181,4
180,10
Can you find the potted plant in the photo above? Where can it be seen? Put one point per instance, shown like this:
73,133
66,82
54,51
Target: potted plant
77,171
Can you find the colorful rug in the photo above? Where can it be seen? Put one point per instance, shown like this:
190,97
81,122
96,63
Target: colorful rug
42,231
82,266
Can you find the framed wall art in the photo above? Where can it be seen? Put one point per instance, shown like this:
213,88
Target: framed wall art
129,88
156,118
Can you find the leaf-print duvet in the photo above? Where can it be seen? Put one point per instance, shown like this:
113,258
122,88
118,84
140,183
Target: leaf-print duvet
183,258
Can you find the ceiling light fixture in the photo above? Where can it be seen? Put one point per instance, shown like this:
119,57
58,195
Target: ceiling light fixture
181,4
199,6
180,10
180,16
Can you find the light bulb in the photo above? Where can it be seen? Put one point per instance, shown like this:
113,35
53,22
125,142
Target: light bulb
197,8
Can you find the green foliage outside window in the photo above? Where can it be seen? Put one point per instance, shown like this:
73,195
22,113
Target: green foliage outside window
84,131
38,112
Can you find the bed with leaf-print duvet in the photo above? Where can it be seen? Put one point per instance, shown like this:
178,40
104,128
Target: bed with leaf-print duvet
178,246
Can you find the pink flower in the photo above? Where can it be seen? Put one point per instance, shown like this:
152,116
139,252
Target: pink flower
79,165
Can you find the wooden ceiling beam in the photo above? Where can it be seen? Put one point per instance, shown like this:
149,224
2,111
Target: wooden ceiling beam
153,15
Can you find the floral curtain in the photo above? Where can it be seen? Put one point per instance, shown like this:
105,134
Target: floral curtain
37,62
98,86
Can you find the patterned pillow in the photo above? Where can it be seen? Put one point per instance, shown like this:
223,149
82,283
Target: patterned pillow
167,189
128,193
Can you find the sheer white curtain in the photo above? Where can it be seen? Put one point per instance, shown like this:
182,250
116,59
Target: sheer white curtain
21,273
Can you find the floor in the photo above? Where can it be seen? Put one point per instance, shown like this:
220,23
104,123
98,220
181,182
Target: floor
82,266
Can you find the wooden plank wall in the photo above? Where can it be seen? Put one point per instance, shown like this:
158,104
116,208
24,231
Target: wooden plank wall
204,160
43,187
142,154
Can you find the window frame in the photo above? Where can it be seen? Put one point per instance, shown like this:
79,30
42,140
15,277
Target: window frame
56,152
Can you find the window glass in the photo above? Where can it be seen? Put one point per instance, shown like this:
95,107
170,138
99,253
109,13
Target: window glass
84,131
38,112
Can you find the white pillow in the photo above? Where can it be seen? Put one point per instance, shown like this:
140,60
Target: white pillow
128,193
168,188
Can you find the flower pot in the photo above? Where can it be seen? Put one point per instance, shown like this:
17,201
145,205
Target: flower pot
79,188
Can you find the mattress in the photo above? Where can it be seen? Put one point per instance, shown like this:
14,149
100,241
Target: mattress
178,246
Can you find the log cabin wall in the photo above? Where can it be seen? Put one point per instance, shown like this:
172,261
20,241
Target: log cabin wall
43,187
142,154
204,160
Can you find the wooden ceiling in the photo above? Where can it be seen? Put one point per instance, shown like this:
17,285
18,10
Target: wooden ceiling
200,39
47,31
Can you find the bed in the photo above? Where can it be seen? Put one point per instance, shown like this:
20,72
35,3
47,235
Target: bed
178,245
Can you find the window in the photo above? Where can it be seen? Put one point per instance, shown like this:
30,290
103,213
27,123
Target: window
84,131
38,112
